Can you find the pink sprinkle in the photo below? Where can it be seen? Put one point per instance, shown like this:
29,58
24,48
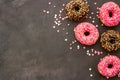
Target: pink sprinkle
84,47
49,3
95,3
90,17
92,50
63,4
70,48
73,42
92,12
58,30
92,54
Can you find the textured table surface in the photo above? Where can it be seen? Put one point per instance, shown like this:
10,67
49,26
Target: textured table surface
30,49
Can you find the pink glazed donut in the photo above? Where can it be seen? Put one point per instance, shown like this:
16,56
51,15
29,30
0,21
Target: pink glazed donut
86,33
109,66
110,14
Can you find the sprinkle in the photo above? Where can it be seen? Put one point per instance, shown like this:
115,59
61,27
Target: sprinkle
48,12
96,25
54,27
78,47
63,28
66,33
89,54
92,12
70,48
90,17
44,10
63,4
60,11
66,39
91,75
95,3
49,3
54,6
90,69
68,24
93,21
84,47
92,54
92,50
55,16
58,30
87,51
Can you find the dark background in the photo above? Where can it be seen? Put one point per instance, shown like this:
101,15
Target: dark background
31,50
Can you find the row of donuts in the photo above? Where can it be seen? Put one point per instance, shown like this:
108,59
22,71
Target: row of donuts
86,33
109,13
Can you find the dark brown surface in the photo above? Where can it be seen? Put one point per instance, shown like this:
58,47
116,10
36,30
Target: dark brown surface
31,50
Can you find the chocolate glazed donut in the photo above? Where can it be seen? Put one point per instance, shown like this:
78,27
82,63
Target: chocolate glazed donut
76,10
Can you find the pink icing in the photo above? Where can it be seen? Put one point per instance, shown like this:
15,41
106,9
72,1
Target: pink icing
104,14
103,66
86,27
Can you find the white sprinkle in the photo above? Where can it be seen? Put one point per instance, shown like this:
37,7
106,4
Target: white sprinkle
60,11
54,6
66,32
55,16
93,21
68,24
78,47
96,25
54,27
89,54
91,75
75,41
58,21
93,18
63,28
48,12
90,69
66,39
63,19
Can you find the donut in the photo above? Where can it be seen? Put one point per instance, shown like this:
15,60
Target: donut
110,40
109,14
86,33
76,10
109,66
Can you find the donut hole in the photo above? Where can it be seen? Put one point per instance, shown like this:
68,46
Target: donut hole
77,8
110,65
86,33
112,40
110,14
